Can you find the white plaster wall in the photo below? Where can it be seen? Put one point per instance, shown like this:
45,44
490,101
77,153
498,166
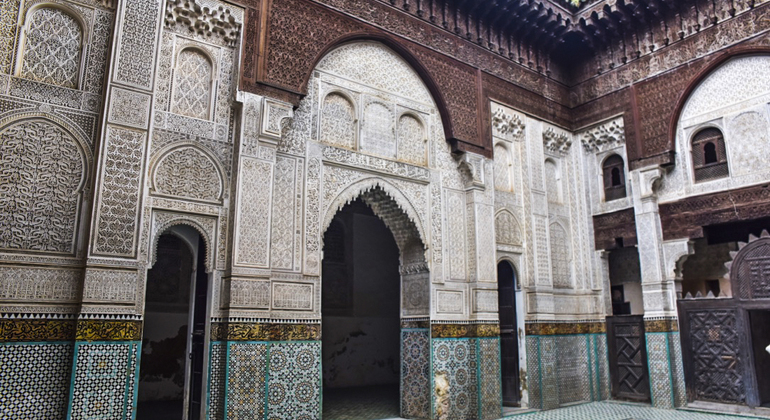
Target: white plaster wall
733,98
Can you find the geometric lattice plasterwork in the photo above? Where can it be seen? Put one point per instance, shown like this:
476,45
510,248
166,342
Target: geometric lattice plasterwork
560,257
338,121
252,247
378,136
507,229
717,362
411,140
192,84
502,169
36,380
52,48
189,173
41,171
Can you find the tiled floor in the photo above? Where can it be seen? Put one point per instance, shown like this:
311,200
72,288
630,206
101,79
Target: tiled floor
361,403
381,402
620,411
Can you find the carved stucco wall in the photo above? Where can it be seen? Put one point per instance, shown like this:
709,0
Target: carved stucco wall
733,98
52,65
368,127
543,214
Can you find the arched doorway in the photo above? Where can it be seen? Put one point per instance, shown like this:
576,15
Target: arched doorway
509,345
360,316
171,375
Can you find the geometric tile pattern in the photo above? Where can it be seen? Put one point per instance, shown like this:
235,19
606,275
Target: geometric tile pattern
603,366
660,370
247,366
563,369
217,378
533,372
572,368
457,358
677,370
606,410
490,387
104,380
294,381
415,373
549,372
34,381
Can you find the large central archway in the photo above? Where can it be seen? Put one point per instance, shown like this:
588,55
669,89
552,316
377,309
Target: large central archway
373,273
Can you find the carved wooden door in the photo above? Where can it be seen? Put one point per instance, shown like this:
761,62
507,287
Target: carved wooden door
713,350
509,345
628,358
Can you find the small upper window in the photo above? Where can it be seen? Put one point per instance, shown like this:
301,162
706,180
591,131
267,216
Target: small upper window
193,78
614,178
709,159
52,45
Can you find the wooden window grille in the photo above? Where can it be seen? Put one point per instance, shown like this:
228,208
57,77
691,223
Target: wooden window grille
614,178
709,159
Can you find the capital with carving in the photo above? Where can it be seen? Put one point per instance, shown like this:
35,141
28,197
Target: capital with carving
649,181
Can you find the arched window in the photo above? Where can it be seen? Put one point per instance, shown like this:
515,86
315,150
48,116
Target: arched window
614,178
193,86
53,42
502,169
552,182
338,121
709,159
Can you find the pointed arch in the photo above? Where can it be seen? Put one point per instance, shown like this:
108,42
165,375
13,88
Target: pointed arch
207,233
383,197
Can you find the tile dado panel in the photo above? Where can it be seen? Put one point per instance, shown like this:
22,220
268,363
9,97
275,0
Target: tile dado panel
276,380
566,363
35,380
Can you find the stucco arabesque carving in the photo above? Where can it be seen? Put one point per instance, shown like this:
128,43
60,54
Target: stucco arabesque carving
473,166
556,142
203,20
506,124
206,226
364,186
605,136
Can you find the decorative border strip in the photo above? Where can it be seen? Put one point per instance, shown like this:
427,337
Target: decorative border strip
565,328
241,331
464,330
36,330
413,324
661,325
100,330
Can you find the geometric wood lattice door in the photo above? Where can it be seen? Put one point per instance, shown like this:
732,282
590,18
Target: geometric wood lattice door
717,350
716,371
628,358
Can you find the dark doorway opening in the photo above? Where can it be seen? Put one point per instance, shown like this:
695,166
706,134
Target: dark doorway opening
173,345
760,340
509,344
360,317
